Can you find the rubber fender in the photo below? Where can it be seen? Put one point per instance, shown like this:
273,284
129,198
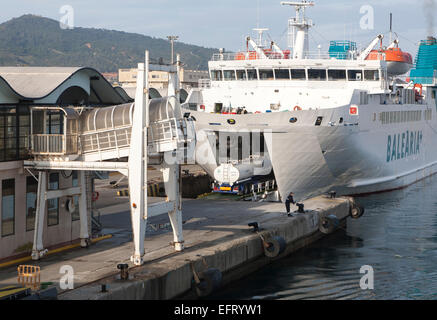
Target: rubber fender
276,245
356,211
210,280
329,224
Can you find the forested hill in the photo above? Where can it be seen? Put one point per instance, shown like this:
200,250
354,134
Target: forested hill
37,41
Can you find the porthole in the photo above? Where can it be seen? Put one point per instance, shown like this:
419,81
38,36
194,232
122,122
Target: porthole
293,120
232,121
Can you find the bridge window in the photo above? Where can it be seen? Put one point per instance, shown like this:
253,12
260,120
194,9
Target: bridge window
252,75
316,74
336,75
371,75
216,75
8,207
241,75
282,74
229,75
266,74
298,74
355,75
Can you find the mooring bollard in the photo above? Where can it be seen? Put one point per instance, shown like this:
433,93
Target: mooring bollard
124,271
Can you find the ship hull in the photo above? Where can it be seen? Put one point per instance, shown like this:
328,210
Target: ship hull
359,155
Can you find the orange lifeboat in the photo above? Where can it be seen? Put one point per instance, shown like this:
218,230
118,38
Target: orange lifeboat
398,61
240,56
253,55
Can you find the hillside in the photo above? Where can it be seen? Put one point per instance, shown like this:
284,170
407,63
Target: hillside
37,41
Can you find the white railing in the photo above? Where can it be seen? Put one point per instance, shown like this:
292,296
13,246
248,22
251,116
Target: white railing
113,139
230,56
54,144
108,139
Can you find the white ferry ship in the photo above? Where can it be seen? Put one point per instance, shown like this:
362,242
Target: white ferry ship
345,121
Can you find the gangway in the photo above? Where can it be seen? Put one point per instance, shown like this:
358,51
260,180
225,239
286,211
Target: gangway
123,138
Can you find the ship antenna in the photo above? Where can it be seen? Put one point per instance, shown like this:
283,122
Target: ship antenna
298,28
391,27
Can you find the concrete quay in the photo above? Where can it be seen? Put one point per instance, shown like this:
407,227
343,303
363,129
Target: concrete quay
216,232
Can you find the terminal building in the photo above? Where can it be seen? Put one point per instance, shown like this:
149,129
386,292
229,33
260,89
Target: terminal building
23,89
127,78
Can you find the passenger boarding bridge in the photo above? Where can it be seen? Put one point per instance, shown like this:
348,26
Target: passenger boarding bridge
123,138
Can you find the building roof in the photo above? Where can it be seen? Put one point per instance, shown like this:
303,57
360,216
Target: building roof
48,84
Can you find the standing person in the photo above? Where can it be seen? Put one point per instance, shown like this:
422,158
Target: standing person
289,200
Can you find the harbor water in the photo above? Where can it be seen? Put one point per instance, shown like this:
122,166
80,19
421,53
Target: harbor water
397,237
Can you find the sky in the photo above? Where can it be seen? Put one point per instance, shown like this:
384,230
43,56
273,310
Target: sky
225,23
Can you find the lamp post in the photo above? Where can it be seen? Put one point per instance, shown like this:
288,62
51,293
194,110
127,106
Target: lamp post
172,40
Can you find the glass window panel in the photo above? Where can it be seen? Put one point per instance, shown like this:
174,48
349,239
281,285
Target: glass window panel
316,74
24,120
298,74
11,132
371,75
216,75
266,74
355,75
38,121
336,75
11,120
252,75
11,154
282,74
241,75
11,143
31,195
8,207
229,75
24,131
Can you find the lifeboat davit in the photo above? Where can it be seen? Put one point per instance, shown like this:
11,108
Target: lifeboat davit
398,61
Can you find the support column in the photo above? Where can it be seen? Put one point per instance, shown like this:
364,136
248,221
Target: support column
171,175
38,248
83,212
138,164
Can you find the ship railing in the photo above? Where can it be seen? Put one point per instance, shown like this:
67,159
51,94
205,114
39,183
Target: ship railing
232,56
54,144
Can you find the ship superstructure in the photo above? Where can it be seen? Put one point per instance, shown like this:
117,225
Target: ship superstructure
347,121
